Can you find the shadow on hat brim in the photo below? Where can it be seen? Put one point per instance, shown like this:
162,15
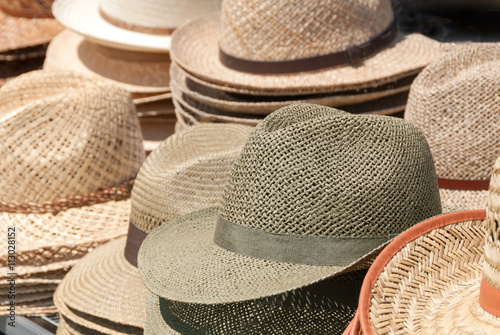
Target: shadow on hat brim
84,18
434,270
195,49
71,51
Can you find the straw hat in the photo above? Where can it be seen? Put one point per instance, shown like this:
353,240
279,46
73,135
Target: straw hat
64,177
141,25
294,213
137,72
25,24
186,172
454,101
337,45
439,277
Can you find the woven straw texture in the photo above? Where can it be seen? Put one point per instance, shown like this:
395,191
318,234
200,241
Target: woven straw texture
195,48
136,72
188,171
491,269
20,32
37,308
251,104
65,152
304,171
454,101
312,310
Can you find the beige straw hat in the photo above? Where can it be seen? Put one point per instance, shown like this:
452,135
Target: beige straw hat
137,72
439,277
325,46
263,105
454,101
64,178
299,208
141,25
188,171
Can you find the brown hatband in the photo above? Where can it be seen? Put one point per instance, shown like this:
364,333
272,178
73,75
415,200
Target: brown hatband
135,27
353,56
464,185
134,240
115,193
489,298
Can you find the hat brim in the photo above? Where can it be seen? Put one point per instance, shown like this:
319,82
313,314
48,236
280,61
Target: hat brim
104,285
196,270
71,51
84,18
195,49
68,234
429,278
35,308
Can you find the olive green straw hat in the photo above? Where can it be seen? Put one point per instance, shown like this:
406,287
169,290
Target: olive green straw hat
314,194
187,172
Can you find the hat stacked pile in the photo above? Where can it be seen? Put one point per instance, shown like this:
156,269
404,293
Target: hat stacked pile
65,179
253,57
188,171
127,43
311,199
26,27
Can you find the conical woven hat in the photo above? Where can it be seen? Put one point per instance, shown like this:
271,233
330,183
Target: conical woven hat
282,36
454,102
188,171
439,277
141,25
299,207
65,177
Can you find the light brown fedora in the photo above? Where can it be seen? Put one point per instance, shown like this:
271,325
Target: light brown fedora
324,46
454,101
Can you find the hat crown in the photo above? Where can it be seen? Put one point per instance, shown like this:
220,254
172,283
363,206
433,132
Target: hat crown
27,8
187,172
454,101
268,30
491,270
65,134
157,13
315,170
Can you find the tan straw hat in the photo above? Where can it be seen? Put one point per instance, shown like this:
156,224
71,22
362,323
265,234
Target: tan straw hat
137,72
298,209
64,178
187,172
454,101
141,25
313,45
439,277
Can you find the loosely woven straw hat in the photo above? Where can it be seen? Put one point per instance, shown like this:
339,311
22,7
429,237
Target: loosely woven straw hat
439,277
299,207
64,177
187,172
141,25
454,101
137,72
300,45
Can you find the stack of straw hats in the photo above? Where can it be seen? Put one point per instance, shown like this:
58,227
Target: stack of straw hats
126,43
65,179
296,229
454,101
26,27
257,56
439,277
103,292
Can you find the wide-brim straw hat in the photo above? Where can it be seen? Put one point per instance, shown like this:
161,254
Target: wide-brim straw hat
136,72
195,48
439,277
454,102
279,183
188,171
68,191
263,105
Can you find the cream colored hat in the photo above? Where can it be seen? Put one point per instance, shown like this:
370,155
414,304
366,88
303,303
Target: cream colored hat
140,25
454,101
64,178
313,45
187,172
